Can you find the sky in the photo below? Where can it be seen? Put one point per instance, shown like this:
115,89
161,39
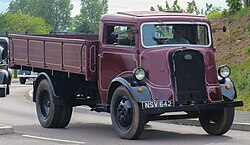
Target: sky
133,5
4,5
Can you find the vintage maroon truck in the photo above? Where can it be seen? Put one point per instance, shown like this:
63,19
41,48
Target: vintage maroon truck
140,67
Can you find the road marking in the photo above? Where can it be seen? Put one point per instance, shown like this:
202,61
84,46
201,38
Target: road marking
53,139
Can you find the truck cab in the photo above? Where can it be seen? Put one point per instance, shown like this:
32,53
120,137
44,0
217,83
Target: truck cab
167,65
174,50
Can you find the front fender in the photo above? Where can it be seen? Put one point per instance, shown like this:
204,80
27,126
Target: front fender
132,85
228,93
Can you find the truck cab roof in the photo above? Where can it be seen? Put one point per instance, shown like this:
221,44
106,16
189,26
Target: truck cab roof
144,16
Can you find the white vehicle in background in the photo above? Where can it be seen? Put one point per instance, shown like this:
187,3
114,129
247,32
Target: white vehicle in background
24,75
5,71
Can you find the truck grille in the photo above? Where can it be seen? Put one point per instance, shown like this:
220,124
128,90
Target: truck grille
189,77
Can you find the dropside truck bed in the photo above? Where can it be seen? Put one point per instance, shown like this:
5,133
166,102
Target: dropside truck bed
64,53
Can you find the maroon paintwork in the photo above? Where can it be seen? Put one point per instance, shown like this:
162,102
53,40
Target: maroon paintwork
154,61
70,53
113,60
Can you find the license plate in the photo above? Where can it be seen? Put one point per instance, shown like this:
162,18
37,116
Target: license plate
156,104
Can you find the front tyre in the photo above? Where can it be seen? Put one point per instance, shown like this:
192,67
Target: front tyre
49,114
217,122
126,114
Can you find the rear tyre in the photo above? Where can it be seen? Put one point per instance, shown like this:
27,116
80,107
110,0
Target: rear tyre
49,114
217,122
126,114
22,80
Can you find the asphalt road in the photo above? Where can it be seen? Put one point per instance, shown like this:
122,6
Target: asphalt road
92,128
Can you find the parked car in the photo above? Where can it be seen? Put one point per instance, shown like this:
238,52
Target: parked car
24,75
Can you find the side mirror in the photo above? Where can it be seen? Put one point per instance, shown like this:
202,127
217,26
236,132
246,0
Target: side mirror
224,29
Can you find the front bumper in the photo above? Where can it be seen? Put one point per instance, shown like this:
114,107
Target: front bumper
195,107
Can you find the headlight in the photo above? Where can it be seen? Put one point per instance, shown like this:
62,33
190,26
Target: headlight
139,74
224,71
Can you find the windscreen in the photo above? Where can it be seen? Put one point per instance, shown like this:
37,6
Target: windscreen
156,34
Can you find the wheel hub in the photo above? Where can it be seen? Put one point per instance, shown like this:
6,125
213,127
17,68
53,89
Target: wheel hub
45,104
124,113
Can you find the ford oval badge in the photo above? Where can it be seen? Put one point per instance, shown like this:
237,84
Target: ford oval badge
188,57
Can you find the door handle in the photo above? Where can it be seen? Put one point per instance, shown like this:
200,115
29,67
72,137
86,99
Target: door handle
100,55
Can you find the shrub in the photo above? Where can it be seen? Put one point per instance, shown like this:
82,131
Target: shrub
214,15
248,29
20,23
247,48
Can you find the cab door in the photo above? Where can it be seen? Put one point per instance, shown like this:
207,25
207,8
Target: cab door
117,56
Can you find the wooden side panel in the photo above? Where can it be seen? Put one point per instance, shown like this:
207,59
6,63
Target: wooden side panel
57,54
36,52
53,55
72,54
20,54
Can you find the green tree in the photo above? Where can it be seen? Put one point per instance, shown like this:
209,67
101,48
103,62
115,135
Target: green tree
234,6
19,6
246,3
192,8
210,10
207,10
55,12
175,8
89,19
214,12
20,23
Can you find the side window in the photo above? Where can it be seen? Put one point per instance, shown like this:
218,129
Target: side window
120,35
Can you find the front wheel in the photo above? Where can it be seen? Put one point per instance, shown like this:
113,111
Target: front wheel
126,114
50,115
217,122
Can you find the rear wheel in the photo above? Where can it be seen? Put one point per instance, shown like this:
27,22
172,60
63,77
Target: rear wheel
217,122
126,114
50,115
22,80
